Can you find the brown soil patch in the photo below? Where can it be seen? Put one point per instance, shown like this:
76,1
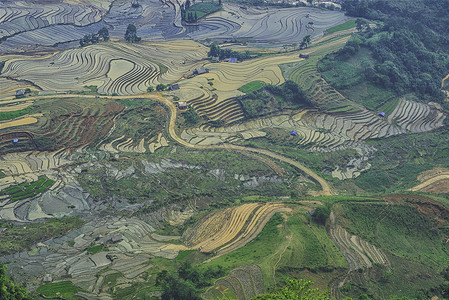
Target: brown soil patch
425,205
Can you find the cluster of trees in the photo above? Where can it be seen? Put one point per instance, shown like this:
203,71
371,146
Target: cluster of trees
410,45
101,36
273,98
295,289
189,11
187,282
131,34
216,51
9,289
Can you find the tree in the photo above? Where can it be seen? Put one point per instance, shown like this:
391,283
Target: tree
295,290
104,34
175,288
150,89
187,4
321,214
131,34
160,87
9,289
305,42
214,50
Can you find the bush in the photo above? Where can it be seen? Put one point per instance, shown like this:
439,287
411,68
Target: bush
321,214
161,87
150,89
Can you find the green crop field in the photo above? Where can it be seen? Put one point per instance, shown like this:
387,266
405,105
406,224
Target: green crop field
202,9
252,86
345,26
28,189
9,115
64,289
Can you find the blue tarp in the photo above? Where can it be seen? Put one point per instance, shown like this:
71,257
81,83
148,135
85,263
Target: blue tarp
15,140
382,114
233,60
293,133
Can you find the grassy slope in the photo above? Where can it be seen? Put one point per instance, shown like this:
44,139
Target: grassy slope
310,247
348,77
412,241
345,26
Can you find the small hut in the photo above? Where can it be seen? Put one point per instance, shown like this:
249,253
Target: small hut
20,92
182,105
173,87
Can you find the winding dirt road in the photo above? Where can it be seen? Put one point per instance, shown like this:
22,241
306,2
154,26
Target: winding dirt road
326,188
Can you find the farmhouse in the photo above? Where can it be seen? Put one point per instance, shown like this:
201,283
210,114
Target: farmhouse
231,60
200,70
20,92
173,87
182,105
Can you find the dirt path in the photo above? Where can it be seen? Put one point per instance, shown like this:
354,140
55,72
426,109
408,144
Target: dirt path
444,79
326,188
289,238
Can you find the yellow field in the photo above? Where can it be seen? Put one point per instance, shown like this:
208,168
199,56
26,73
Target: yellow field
20,122
232,228
18,106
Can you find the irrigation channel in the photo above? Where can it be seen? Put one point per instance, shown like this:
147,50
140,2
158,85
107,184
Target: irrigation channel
326,189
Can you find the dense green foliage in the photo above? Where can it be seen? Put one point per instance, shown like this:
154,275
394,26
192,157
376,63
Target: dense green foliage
9,115
321,214
191,118
410,46
131,34
19,238
9,290
273,98
188,281
295,290
2,64
101,36
27,189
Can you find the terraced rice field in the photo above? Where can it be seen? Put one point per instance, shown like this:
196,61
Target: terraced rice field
245,282
9,87
359,253
282,26
306,75
230,229
19,16
66,123
100,65
123,144
216,101
329,132
433,181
